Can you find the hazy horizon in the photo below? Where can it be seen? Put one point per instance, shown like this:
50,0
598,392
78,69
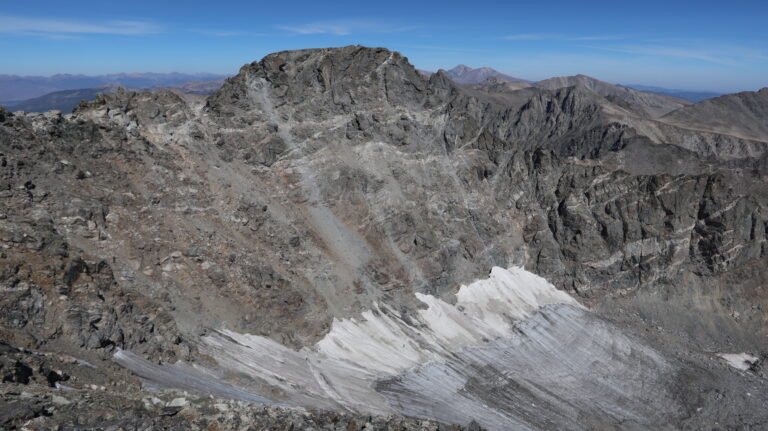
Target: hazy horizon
690,46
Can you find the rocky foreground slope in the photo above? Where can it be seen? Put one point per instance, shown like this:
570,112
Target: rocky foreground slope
300,239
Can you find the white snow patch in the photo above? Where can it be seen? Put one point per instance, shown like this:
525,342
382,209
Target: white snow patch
741,361
340,370
485,310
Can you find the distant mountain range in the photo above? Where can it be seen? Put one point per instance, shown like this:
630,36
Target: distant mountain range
462,74
489,81
64,92
66,100
639,102
15,88
689,95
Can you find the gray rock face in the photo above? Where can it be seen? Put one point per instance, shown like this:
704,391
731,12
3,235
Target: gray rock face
316,183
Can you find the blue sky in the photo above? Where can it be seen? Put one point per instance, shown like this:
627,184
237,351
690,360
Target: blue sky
702,45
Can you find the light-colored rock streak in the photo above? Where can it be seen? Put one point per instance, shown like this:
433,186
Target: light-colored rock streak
344,243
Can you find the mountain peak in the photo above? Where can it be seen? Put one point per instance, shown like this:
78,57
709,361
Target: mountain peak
463,74
640,102
461,68
334,77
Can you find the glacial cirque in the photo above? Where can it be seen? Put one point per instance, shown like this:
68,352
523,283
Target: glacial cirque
328,195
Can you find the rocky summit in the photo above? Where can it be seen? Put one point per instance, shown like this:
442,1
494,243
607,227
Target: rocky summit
333,240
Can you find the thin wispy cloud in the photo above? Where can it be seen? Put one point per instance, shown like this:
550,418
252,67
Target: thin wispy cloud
319,28
728,56
226,33
451,49
346,27
667,51
555,36
61,28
